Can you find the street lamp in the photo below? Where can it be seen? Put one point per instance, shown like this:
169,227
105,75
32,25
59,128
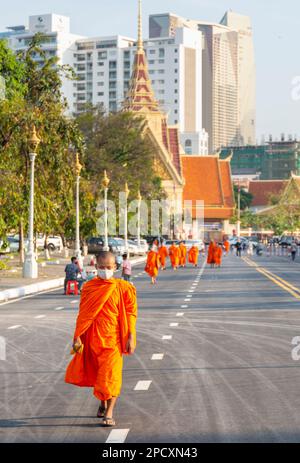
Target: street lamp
105,183
239,211
78,168
127,191
30,267
139,198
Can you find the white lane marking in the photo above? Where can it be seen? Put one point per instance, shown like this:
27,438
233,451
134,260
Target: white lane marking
180,314
117,436
174,324
157,357
191,290
184,306
14,327
40,316
167,336
187,300
59,308
74,302
142,385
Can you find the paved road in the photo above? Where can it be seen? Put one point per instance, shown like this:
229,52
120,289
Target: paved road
226,374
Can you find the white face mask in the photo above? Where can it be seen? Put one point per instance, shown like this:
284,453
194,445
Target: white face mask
105,274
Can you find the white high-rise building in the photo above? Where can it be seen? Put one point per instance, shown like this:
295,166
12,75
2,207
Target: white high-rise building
58,41
228,79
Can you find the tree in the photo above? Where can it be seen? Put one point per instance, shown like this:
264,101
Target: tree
37,100
245,197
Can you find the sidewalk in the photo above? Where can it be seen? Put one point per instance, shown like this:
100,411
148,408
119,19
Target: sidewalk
50,275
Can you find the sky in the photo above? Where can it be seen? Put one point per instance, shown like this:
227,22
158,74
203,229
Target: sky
276,29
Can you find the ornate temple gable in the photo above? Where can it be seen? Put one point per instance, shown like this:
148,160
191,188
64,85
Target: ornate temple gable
291,194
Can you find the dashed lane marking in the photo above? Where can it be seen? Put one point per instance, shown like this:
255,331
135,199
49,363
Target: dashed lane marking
59,308
157,357
184,306
167,337
180,314
14,327
40,316
174,324
117,436
142,385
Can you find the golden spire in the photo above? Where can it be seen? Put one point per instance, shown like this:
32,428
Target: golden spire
140,96
140,28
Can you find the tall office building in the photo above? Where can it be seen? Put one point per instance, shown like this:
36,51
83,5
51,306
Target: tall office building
228,75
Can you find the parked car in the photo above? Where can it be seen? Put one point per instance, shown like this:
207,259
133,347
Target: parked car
53,242
143,246
95,244
286,240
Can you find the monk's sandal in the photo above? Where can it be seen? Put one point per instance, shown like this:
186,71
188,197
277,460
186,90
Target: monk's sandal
108,422
101,412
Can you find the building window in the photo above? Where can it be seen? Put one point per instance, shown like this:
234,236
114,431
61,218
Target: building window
101,63
112,65
126,54
161,52
175,60
175,111
151,71
112,84
112,75
161,92
100,84
113,106
127,64
153,82
161,61
161,71
100,93
113,95
176,71
176,121
176,81
101,74
175,50
188,146
175,101
152,52
175,91
102,54
161,82
126,74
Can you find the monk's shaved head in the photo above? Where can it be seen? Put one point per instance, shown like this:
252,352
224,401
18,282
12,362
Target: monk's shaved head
105,258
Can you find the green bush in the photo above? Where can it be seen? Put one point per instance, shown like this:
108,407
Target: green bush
3,265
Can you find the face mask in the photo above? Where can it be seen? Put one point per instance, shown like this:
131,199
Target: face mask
105,274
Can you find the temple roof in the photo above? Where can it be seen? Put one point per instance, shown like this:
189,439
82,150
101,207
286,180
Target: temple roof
263,190
208,179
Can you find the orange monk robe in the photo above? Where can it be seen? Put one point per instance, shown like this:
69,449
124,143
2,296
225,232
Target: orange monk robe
218,256
183,252
107,314
193,255
227,246
211,255
152,264
174,253
163,254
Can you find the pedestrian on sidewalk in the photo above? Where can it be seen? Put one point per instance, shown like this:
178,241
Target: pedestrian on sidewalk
72,271
293,250
126,268
105,330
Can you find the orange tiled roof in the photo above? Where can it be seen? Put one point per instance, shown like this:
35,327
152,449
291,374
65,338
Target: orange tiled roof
208,178
262,190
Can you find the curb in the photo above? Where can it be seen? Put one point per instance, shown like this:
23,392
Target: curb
15,293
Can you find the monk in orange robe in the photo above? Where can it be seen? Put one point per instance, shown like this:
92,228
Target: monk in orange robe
163,254
193,255
212,253
174,254
105,329
226,245
183,252
218,255
152,265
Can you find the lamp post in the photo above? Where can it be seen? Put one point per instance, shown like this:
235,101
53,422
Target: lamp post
78,168
239,211
139,198
30,267
127,191
105,183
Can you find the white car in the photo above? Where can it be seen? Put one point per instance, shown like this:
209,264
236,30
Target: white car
53,242
143,248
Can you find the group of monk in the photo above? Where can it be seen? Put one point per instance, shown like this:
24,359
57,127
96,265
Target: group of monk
215,252
178,254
